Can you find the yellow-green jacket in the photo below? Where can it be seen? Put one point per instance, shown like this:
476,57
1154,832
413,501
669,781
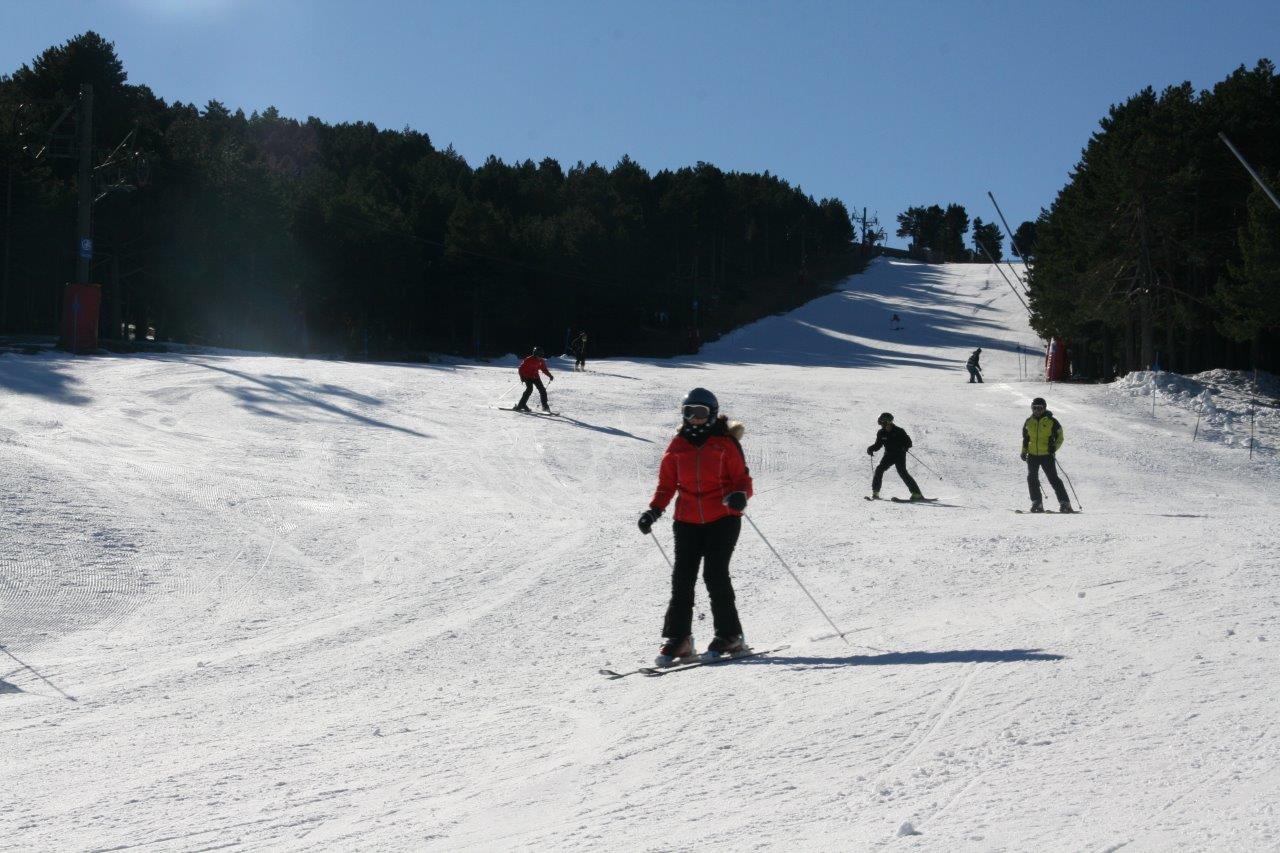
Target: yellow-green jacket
1043,436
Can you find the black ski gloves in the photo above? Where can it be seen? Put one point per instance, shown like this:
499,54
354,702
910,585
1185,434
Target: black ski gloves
871,451
736,501
1024,456
647,518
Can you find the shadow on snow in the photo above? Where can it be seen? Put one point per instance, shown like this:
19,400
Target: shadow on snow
913,658
848,328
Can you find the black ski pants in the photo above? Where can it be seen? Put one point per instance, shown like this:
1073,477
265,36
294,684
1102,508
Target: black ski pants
975,374
899,462
581,362
712,545
1034,464
529,385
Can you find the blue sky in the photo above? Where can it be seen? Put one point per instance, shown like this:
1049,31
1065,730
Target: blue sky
882,105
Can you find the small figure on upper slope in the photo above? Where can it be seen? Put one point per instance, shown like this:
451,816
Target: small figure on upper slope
529,370
895,323
975,370
1041,438
578,346
705,468
896,443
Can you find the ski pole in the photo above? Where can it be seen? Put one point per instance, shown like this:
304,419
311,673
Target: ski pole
498,399
1071,484
662,552
796,579
926,467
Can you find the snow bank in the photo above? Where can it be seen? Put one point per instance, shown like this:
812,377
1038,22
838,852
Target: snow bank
1223,400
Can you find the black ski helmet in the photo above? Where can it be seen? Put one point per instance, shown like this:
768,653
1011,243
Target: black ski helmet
701,397
537,351
884,416
1038,401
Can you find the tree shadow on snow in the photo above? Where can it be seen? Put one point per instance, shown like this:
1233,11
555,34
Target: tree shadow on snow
913,658
274,396
6,687
41,376
847,328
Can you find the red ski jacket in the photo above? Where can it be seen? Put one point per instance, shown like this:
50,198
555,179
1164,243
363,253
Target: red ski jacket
531,365
703,476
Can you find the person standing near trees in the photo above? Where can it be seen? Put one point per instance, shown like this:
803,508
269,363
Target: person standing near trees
1041,438
528,371
896,443
705,469
975,370
578,346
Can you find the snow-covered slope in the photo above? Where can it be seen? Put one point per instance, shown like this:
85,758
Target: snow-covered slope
252,602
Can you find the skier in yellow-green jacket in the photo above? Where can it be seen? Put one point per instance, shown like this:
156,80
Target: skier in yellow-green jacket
1041,438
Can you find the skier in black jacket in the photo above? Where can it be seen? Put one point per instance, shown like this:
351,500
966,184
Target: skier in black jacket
896,443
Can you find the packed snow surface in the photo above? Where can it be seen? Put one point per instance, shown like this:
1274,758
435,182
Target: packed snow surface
254,602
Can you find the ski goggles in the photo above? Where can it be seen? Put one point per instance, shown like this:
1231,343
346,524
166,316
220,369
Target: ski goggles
696,411
1037,408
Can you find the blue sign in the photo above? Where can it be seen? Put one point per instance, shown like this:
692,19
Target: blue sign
86,248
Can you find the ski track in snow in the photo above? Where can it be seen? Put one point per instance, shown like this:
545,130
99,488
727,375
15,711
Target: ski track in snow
268,603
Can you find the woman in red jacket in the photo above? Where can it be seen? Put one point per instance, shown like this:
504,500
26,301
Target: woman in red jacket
705,465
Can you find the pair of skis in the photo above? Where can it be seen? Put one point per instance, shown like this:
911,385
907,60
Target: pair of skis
904,500
655,671
530,411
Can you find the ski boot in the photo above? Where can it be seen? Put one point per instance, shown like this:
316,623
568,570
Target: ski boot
520,409
675,651
875,495
1065,509
1037,506
916,497
721,647
546,408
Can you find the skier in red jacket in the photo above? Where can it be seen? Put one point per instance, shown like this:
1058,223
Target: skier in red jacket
529,370
705,465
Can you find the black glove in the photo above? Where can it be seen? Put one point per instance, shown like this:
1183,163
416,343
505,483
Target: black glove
1024,456
551,379
871,451
647,518
736,501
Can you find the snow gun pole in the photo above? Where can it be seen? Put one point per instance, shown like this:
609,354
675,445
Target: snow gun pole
1071,484
660,551
1196,434
796,579
1012,241
926,467
1257,179
1003,276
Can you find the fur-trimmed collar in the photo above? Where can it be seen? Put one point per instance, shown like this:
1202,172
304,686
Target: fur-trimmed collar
722,426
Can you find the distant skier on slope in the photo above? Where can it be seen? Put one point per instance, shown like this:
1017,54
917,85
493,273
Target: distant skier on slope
895,323
705,467
1041,438
529,370
896,443
975,370
578,346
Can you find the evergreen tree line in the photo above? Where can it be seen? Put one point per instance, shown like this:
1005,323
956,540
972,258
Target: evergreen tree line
267,232
1161,249
937,234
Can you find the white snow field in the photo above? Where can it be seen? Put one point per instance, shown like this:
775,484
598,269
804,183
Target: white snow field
268,603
